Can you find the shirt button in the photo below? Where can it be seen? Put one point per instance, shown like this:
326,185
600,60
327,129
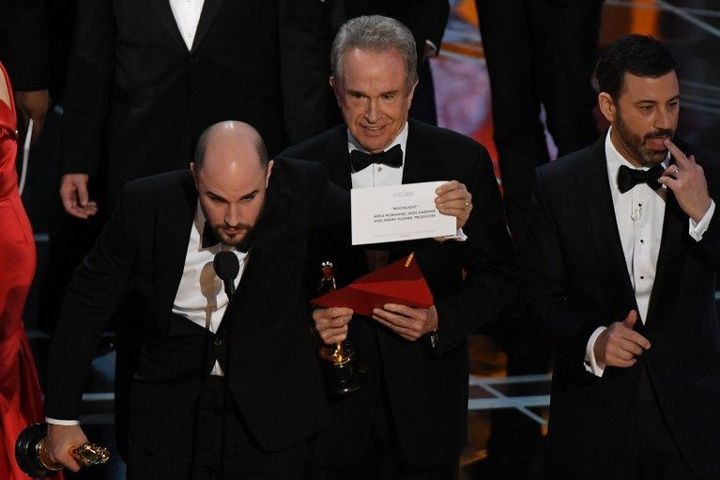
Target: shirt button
217,342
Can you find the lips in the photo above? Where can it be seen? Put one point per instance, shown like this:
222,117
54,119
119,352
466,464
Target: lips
657,143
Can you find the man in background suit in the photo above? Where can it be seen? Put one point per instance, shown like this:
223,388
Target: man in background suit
409,419
209,394
623,243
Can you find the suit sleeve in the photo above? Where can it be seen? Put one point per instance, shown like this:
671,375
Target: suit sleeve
24,43
89,82
304,31
92,296
427,20
546,282
330,204
711,238
490,274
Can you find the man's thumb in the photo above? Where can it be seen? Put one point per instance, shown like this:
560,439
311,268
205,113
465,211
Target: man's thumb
630,320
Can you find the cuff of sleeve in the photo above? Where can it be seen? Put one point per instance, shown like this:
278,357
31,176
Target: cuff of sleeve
697,230
591,364
66,423
458,237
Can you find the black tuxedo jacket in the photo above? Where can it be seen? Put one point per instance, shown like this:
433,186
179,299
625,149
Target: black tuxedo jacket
264,343
579,280
24,43
471,282
426,19
137,99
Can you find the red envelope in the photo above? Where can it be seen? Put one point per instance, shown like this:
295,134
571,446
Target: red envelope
400,282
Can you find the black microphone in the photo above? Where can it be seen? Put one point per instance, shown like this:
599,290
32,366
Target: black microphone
227,267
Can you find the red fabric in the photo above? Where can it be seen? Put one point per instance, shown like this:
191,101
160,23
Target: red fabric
20,396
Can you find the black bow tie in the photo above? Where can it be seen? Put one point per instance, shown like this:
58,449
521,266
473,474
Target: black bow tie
210,239
361,160
627,177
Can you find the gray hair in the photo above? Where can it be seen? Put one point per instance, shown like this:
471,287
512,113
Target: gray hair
376,34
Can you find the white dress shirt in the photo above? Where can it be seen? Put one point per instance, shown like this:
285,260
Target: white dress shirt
640,214
187,16
200,296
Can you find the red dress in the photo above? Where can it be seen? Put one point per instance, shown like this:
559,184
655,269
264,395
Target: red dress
20,396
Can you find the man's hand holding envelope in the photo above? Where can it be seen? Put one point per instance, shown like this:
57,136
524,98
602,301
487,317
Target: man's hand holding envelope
411,313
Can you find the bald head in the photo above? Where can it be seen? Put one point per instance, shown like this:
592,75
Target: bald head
231,172
233,136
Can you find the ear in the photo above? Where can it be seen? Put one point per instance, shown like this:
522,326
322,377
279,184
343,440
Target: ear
335,85
193,171
411,93
269,171
607,106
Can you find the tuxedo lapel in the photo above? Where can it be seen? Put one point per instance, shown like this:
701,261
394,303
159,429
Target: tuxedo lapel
669,263
337,159
262,242
606,236
171,236
210,8
164,12
418,165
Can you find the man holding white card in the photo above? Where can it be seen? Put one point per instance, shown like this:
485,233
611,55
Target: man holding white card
417,358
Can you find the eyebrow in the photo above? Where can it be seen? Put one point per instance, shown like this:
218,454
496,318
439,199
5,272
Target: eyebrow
647,100
220,197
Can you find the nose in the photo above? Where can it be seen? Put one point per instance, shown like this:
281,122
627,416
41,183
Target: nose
233,215
372,111
663,119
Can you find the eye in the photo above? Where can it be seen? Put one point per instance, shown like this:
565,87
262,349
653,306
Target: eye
387,96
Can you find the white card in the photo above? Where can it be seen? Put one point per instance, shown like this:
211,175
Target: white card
398,212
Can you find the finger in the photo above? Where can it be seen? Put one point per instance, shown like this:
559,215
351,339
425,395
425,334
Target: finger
404,332
90,210
632,348
679,156
335,335
669,182
630,319
403,310
65,459
672,171
68,200
391,318
82,193
615,353
455,212
639,340
324,324
449,186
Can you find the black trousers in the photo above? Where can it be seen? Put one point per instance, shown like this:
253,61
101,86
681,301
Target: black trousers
382,458
214,443
538,52
652,451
